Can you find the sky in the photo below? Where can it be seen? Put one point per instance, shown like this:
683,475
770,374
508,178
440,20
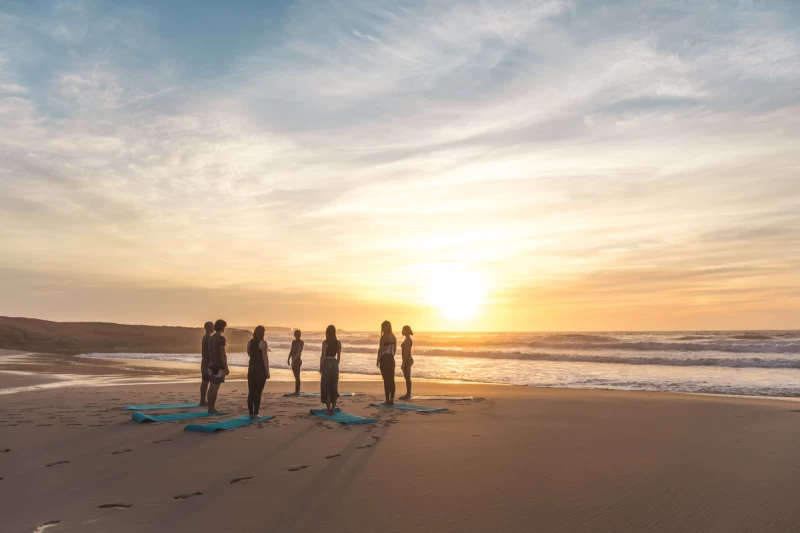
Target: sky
495,166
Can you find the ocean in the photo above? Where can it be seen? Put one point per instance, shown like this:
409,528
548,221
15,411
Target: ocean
756,363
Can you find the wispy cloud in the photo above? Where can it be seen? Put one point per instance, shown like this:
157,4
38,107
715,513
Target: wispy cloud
639,155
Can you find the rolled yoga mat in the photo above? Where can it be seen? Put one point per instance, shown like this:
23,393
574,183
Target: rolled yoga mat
342,418
161,406
409,407
233,423
142,418
316,394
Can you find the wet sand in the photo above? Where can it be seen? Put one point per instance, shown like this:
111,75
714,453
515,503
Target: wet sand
512,459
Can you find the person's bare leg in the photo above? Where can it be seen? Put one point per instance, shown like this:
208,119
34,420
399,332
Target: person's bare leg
203,393
213,390
333,406
407,375
328,409
296,372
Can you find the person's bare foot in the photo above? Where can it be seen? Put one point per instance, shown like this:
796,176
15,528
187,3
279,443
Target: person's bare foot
203,404
253,417
297,393
390,402
213,412
405,397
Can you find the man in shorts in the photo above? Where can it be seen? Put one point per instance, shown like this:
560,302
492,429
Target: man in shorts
217,364
204,363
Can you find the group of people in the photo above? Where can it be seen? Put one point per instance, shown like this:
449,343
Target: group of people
214,365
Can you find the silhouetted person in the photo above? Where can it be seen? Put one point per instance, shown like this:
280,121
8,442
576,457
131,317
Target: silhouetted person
407,360
295,360
217,363
329,368
257,370
386,351
204,358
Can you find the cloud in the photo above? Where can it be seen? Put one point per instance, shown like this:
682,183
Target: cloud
567,150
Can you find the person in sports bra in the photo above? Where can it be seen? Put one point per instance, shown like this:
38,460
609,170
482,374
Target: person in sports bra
257,370
329,369
386,351
407,360
295,361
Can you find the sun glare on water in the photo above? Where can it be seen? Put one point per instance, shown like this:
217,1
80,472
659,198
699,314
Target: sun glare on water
458,295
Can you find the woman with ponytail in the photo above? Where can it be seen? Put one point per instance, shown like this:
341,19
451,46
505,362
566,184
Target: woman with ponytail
386,351
257,370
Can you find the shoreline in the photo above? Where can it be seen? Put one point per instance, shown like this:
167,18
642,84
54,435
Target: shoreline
118,371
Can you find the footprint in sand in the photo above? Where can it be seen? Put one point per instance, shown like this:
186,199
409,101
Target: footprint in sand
236,480
43,425
56,463
162,440
120,451
364,446
333,456
298,468
46,525
187,495
6,450
115,506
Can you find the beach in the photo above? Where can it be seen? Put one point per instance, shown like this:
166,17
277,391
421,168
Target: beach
509,459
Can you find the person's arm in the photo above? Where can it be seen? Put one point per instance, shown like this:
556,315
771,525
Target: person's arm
339,353
292,353
224,356
265,355
380,345
322,356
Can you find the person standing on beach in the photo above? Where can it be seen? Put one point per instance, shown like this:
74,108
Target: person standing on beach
329,369
407,360
257,370
295,360
386,351
217,363
204,358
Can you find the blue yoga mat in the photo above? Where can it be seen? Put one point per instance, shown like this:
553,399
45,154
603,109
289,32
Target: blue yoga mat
161,406
223,425
409,407
316,394
141,417
343,418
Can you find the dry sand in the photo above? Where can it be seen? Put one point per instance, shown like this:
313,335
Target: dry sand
515,459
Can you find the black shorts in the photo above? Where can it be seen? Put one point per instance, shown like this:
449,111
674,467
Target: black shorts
217,376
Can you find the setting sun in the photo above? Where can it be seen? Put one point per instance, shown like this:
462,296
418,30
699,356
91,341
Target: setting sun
458,295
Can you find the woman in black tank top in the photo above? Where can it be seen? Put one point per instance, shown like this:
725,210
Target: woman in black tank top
257,370
329,368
